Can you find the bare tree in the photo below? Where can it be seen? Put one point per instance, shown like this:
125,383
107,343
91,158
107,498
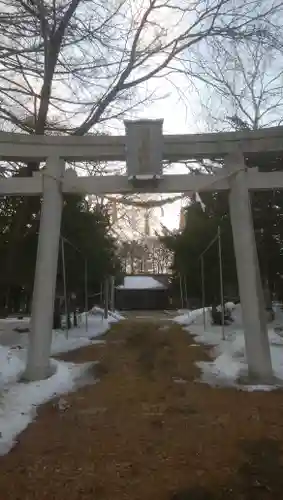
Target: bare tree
140,256
240,85
74,64
242,89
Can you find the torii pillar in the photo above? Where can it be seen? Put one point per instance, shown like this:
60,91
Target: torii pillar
249,281
38,361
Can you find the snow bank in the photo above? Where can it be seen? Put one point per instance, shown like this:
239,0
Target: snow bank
12,363
113,316
18,402
229,360
18,320
13,356
188,317
79,337
61,341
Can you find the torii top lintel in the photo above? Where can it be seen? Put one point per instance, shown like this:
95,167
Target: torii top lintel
14,146
144,148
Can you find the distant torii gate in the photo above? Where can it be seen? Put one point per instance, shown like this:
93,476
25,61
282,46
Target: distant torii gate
143,148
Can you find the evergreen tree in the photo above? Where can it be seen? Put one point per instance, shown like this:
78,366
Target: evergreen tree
85,230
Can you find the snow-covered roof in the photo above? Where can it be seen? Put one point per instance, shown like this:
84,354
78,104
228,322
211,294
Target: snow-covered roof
141,283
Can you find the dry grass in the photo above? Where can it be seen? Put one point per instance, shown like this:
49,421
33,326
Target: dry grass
148,431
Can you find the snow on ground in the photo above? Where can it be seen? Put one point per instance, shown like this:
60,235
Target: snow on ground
61,340
19,400
79,337
113,316
17,320
140,283
228,355
187,317
12,363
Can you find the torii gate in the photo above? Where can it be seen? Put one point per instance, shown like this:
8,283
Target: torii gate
143,148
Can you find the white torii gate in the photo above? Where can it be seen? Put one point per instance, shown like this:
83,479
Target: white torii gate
143,148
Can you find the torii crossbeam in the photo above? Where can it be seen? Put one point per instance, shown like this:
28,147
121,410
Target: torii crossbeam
144,148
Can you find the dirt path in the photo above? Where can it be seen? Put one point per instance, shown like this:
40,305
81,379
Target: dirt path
149,316
149,431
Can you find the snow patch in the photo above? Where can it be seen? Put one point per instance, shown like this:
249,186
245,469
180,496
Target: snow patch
79,337
188,317
18,402
113,316
228,355
12,363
